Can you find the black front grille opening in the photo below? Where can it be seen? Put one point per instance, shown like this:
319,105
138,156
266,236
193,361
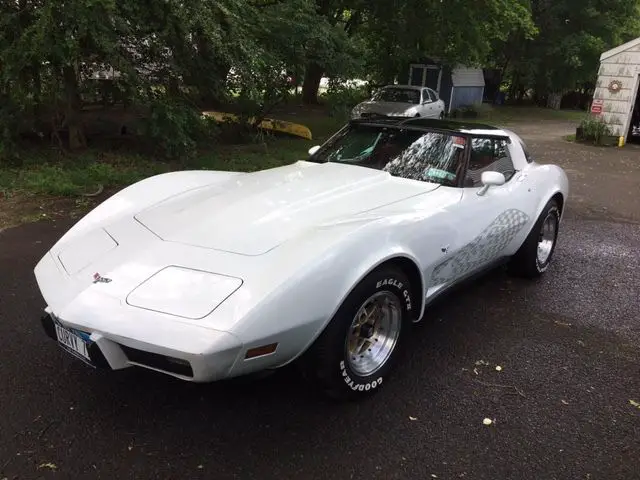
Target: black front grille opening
161,362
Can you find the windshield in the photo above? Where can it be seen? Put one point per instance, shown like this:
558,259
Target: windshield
398,95
414,154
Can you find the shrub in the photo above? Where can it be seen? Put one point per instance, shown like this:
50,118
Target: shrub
593,129
467,111
175,130
342,97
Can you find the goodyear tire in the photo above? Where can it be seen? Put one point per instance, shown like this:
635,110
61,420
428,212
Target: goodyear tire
355,354
535,255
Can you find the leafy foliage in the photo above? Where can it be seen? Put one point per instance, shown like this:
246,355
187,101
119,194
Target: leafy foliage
66,63
594,129
564,55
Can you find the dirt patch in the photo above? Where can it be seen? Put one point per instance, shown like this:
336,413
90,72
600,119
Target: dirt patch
17,208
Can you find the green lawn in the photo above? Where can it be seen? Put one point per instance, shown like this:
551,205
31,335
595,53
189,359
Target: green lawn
512,114
48,173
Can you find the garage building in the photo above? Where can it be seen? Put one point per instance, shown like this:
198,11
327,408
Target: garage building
615,98
457,86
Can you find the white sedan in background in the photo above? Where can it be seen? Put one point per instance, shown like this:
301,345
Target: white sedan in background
401,101
208,275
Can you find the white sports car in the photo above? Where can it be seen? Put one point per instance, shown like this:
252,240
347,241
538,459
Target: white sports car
207,275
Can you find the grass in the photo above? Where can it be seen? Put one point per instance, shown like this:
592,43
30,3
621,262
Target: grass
47,173
514,114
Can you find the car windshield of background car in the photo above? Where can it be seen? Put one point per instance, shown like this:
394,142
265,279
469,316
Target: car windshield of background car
413,154
398,95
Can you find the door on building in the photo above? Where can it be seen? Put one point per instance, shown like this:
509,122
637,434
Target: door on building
421,75
633,133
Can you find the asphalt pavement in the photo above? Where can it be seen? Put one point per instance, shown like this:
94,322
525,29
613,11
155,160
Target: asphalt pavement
561,405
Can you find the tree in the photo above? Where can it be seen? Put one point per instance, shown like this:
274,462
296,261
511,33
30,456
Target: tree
572,36
456,31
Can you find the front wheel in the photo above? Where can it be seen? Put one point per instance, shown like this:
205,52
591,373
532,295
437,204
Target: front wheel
534,256
354,355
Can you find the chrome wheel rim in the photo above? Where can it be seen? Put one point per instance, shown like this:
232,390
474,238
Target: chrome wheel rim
547,238
374,333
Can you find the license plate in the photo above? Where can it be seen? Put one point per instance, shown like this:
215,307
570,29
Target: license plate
73,343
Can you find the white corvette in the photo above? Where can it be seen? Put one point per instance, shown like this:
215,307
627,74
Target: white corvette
207,275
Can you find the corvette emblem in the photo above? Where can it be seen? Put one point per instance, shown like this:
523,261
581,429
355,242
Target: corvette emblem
97,278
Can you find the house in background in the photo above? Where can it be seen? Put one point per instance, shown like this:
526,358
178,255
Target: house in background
457,86
616,101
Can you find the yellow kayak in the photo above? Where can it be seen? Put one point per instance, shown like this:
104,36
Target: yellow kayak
266,124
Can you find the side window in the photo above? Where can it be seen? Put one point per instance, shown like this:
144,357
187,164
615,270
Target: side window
425,96
488,155
434,95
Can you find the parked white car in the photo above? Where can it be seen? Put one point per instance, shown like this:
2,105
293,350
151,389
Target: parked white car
401,101
207,275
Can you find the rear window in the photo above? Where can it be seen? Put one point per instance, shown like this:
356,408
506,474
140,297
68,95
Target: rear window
526,152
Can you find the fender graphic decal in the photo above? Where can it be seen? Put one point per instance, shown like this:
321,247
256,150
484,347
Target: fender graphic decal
483,249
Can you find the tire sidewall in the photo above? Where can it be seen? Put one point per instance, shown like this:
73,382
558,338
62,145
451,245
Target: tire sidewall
551,209
386,280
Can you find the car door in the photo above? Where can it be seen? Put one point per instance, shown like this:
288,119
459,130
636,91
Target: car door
437,105
489,224
426,105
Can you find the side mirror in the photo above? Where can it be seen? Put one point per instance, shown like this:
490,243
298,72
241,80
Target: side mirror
491,179
313,150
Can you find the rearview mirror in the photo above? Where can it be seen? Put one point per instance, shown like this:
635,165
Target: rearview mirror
491,179
313,150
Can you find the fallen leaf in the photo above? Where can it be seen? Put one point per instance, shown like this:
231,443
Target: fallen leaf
50,466
565,402
498,368
433,475
634,403
563,324
200,467
487,421
481,362
475,370
413,419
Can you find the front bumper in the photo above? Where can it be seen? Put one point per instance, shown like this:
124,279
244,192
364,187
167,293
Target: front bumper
113,352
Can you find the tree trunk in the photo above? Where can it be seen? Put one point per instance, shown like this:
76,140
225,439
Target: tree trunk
554,100
77,138
311,84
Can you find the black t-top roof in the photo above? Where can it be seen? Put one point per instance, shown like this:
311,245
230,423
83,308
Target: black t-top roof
464,128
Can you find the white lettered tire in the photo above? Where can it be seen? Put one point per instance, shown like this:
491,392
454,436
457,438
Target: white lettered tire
534,256
355,354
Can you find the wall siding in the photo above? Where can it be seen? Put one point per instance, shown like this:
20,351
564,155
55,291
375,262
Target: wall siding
464,96
617,107
468,77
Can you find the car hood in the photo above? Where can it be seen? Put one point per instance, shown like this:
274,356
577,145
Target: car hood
254,213
385,108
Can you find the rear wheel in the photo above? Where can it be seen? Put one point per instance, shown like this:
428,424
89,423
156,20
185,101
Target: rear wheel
356,352
534,256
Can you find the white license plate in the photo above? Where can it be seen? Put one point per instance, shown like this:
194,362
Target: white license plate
72,342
